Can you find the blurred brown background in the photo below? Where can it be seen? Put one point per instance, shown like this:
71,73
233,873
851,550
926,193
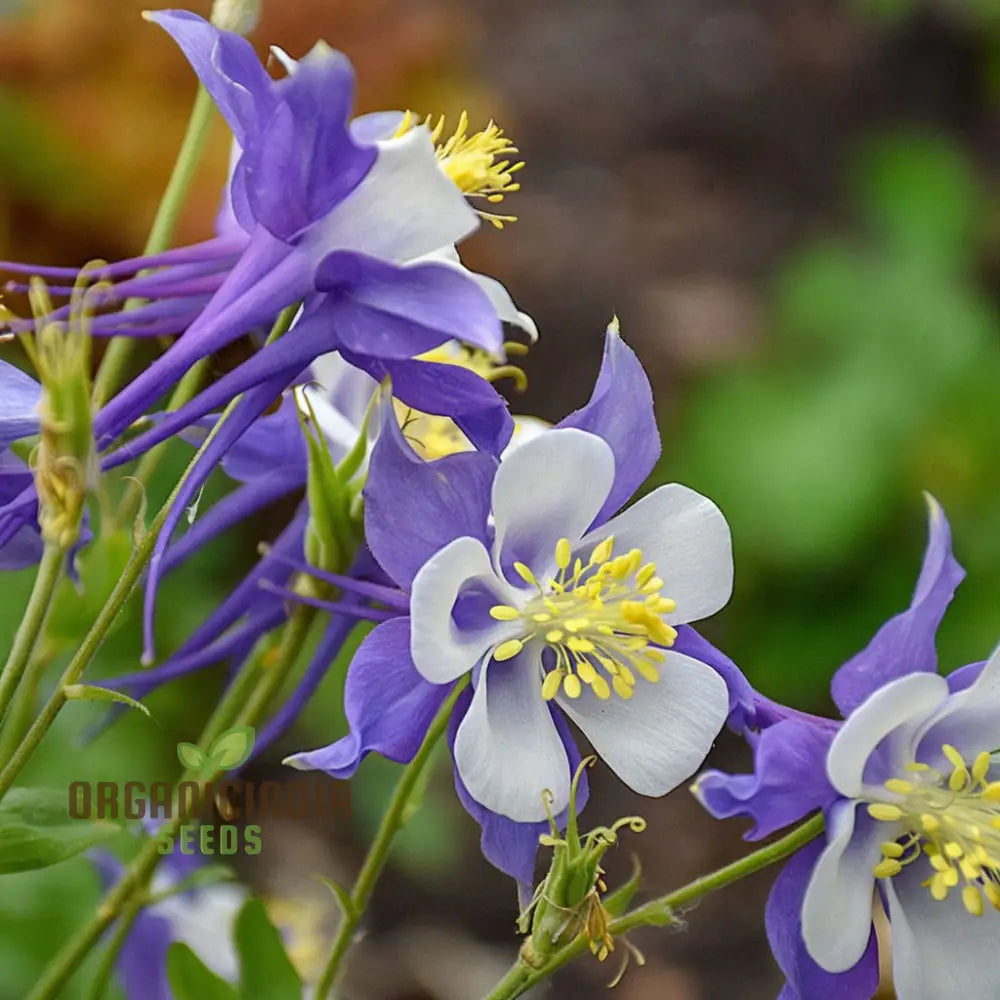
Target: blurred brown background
791,206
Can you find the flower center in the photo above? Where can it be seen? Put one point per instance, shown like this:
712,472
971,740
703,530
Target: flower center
951,819
602,619
475,163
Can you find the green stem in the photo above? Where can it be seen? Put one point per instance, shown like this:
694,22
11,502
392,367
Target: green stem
46,580
392,822
661,911
229,712
116,358
102,976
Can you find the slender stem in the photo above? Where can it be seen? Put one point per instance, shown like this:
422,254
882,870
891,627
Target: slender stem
661,911
22,707
48,576
102,976
116,357
392,822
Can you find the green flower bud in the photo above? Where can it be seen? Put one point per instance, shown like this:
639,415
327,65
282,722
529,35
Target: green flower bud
65,462
239,16
568,901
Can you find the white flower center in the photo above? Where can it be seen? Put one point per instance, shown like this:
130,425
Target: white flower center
951,819
601,619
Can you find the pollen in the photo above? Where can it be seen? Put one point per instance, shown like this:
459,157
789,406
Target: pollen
950,819
601,618
480,164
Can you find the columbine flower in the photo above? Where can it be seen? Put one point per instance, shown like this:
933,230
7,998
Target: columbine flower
911,796
357,219
519,573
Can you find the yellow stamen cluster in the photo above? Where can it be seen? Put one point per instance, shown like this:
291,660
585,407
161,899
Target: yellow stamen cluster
603,619
474,162
951,819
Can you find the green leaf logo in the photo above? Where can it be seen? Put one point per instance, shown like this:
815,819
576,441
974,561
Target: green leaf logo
190,756
232,748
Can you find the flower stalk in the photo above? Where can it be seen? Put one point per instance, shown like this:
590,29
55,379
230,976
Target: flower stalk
659,912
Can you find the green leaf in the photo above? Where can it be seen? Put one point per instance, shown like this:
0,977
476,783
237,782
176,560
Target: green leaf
89,692
343,897
36,830
266,972
190,756
232,748
190,979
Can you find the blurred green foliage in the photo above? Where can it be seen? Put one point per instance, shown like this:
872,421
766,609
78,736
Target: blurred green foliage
878,380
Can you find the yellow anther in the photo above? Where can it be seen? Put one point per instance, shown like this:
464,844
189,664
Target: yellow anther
885,812
572,686
972,901
504,613
930,823
886,868
622,689
551,684
508,650
899,786
939,888
563,553
992,892
525,573
648,671
958,779
554,636
892,849
992,791
586,672
602,551
541,617
601,689
953,850
954,757
981,765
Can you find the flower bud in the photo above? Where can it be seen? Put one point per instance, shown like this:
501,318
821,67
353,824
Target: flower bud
239,16
66,467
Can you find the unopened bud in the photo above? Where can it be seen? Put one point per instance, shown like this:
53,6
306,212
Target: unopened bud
66,468
239,16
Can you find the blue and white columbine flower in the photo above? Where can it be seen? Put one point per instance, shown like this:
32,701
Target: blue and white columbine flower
521,573
911,793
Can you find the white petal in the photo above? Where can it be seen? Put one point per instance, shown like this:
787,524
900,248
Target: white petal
940,951
550,488
441,650
506,311
968,720
405,207
688,539
661,736
525,429
507,749
898,708
837,908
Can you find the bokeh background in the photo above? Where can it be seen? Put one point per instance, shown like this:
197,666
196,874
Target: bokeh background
792,206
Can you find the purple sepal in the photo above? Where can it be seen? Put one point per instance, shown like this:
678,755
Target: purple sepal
19,398
435,501
452,391
964,677
388,311
389,706
621,412
744,702
905,643
228,67
305,161
783,917
788,781
513,847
